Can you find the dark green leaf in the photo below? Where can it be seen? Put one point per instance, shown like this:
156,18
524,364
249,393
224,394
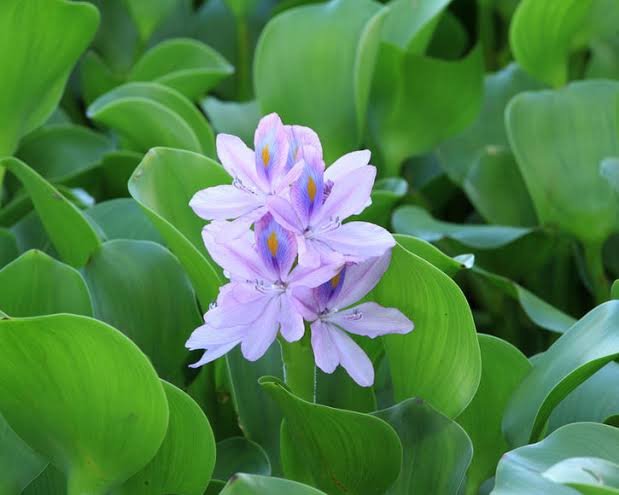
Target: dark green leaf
239,455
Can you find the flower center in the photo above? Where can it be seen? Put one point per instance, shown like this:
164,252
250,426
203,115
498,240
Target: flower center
266,156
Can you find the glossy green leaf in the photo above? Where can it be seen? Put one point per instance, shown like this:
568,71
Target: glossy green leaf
185,460
559,139
67,228
8,247
413,220
148,14
299,74
247,484
589,475
141,289
35,284
339,390
432,254
417,102
542,35
522,470
437,451
123,218
503,368
121,417
596,399
614,293
166,117
188,66
163,185
50,35
96,78
62,152
440,360
239,455
609,169
18,462
585,348
231,117
327,448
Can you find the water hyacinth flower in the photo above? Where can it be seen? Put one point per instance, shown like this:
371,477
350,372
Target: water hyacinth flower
259,301
320,201
329,309
257,175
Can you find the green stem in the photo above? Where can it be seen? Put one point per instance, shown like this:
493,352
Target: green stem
79,483
243,62
299,368
600,287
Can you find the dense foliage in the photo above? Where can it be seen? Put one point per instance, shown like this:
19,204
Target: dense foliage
493,127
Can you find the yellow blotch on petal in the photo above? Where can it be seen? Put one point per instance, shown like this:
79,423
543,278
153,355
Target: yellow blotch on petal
311,189
336,280
273,243
266,155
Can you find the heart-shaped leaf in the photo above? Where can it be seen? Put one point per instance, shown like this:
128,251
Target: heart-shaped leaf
327,448
35,285
100,419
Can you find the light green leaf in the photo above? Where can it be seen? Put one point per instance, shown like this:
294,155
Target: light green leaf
141,289
148,14
542,35
247,484
432,254
186,65
327,447
332,97
163,185
559,139
100,419
503,368
239,455
440,360
589,475
437,451
35,285
67,228
585,348
166,117
417,102
522,470
41,41
231,117
185,460
609,169
63,151
413,220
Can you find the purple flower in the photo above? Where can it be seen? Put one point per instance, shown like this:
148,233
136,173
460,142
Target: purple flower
318,203
267,171
259,301
331,323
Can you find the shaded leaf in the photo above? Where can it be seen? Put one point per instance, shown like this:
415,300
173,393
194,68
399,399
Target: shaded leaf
239,455
247,484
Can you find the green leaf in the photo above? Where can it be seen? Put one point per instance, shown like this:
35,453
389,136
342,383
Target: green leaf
522,470
50,482
123,218
440,360
385,195
437,451
542,35
117,167
163,185
35,284
41,41
141,289
339,390
559,139
413,220
589,475
100,419
331,98
248,484
609,169
8,247
596,399
327,447
186,65
67,228
148,14
63,151
503,368
417,102
448,265
231,117
579,353
185,460
614,293
18,462
239,455
166,117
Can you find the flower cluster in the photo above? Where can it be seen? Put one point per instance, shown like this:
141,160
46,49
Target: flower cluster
278,234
